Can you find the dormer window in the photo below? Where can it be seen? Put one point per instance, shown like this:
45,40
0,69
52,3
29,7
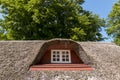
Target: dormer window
60,56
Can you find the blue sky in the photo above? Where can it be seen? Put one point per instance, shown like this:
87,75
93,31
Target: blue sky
101,8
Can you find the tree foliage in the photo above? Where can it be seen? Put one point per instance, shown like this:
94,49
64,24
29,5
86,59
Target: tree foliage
113,23
46,19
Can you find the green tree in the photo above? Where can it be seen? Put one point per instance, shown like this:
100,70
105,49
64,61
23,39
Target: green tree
46,19
2,33
113,23
2,36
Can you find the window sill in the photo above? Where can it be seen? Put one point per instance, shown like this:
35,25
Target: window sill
71,67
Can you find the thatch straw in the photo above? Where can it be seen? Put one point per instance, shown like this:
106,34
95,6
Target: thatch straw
17,56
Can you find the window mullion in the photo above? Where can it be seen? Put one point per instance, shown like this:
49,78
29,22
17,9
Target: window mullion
61,56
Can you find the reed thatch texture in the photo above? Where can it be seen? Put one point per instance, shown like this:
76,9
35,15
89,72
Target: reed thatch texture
17,56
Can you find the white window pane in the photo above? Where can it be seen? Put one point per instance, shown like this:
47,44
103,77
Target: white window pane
63,59
67,59
57,52
58,59
54,59
63,52
67,56
60,56
54,55
63,56
53,51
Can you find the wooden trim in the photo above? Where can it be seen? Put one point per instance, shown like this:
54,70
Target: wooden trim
73,67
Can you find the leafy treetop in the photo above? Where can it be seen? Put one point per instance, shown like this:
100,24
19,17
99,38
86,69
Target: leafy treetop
113,23
46,19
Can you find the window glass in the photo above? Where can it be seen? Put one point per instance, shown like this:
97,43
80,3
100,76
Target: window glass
60,56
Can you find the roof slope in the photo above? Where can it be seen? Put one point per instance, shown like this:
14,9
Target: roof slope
17,56
105,58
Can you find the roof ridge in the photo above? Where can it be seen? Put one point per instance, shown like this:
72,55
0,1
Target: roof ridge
98,42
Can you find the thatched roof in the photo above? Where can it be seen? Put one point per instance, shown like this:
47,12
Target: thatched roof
17,56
